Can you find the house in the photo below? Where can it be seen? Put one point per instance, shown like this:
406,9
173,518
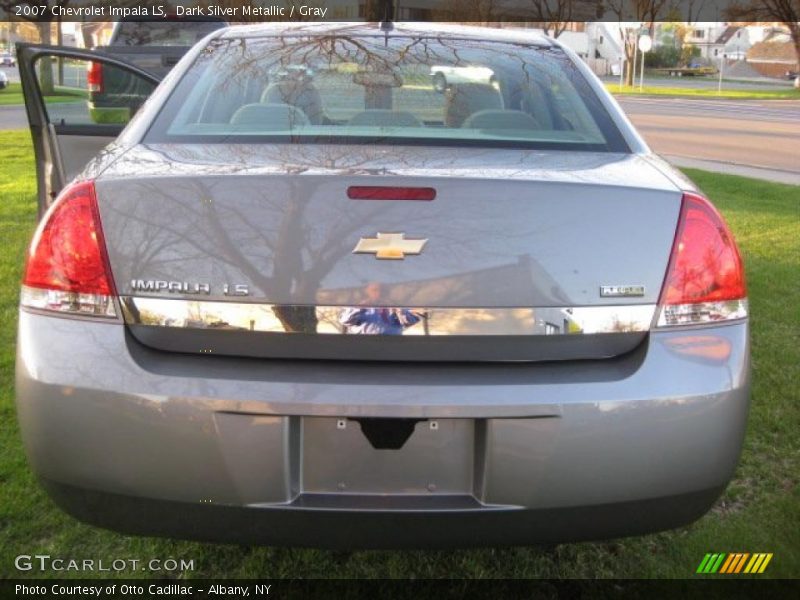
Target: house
704,36
93,34
732,44
598,43
774,56
605,41
734,40
716,40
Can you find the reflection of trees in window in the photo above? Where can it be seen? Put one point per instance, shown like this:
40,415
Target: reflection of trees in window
243,68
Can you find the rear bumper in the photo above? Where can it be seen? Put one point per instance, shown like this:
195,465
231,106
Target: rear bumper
263,451
347,529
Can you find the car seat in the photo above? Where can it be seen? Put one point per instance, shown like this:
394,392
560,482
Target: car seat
462,100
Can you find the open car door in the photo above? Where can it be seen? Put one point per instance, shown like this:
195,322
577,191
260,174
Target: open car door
78,101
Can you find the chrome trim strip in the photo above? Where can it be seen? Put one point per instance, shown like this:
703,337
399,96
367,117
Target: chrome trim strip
272,318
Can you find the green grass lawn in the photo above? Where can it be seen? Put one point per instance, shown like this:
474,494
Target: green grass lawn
13,95
758,513
783,94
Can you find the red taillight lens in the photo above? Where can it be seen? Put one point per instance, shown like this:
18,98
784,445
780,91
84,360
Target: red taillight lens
67,268
94,77
374,192
705,279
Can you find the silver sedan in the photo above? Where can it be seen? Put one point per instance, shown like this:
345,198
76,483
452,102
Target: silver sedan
351,310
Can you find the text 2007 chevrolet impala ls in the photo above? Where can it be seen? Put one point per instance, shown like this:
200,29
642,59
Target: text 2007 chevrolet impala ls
340,307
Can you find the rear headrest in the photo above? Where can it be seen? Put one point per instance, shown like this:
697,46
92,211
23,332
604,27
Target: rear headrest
301,94
501,119
465,99
381,117
269,117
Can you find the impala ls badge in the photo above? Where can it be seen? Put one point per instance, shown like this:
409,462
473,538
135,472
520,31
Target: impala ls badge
186,287
391,246
621,291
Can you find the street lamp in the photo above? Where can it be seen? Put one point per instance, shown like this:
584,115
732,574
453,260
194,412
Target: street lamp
645,44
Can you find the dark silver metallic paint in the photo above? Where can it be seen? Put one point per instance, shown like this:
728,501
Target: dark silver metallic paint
664,420
534,451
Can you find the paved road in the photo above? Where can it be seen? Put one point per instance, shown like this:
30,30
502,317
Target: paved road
12,117
708,83
754,133
74,75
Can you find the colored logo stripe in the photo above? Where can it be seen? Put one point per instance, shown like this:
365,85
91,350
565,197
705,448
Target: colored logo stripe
758,563
734,563
711,563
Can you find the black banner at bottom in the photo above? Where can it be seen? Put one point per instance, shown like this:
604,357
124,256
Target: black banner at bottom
186,589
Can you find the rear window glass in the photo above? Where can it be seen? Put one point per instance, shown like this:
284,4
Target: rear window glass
394,89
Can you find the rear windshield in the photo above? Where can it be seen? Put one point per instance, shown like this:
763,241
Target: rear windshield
392,90
163,33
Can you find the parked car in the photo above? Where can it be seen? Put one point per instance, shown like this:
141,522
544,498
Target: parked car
444,75
7,60
694,68
3,80
291,72
495,319
792,75
154,44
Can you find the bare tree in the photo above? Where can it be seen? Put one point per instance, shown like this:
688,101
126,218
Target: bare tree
644,11
783,11
554,16
379,10
694,8
470,11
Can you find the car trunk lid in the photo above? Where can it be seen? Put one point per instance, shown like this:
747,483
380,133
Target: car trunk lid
261,251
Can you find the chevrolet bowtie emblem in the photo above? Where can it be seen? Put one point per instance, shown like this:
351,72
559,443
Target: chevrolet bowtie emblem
392,246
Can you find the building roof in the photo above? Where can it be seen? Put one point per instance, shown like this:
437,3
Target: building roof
726,35
772,51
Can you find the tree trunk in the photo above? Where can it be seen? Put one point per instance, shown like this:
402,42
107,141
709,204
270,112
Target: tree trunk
627,46
60,59
794,28
375,10
630,62
46,63
297,319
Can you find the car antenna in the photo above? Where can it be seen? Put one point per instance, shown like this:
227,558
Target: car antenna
386,25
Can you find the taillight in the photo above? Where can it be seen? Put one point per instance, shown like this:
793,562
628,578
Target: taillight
705,279
94,77
67,269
